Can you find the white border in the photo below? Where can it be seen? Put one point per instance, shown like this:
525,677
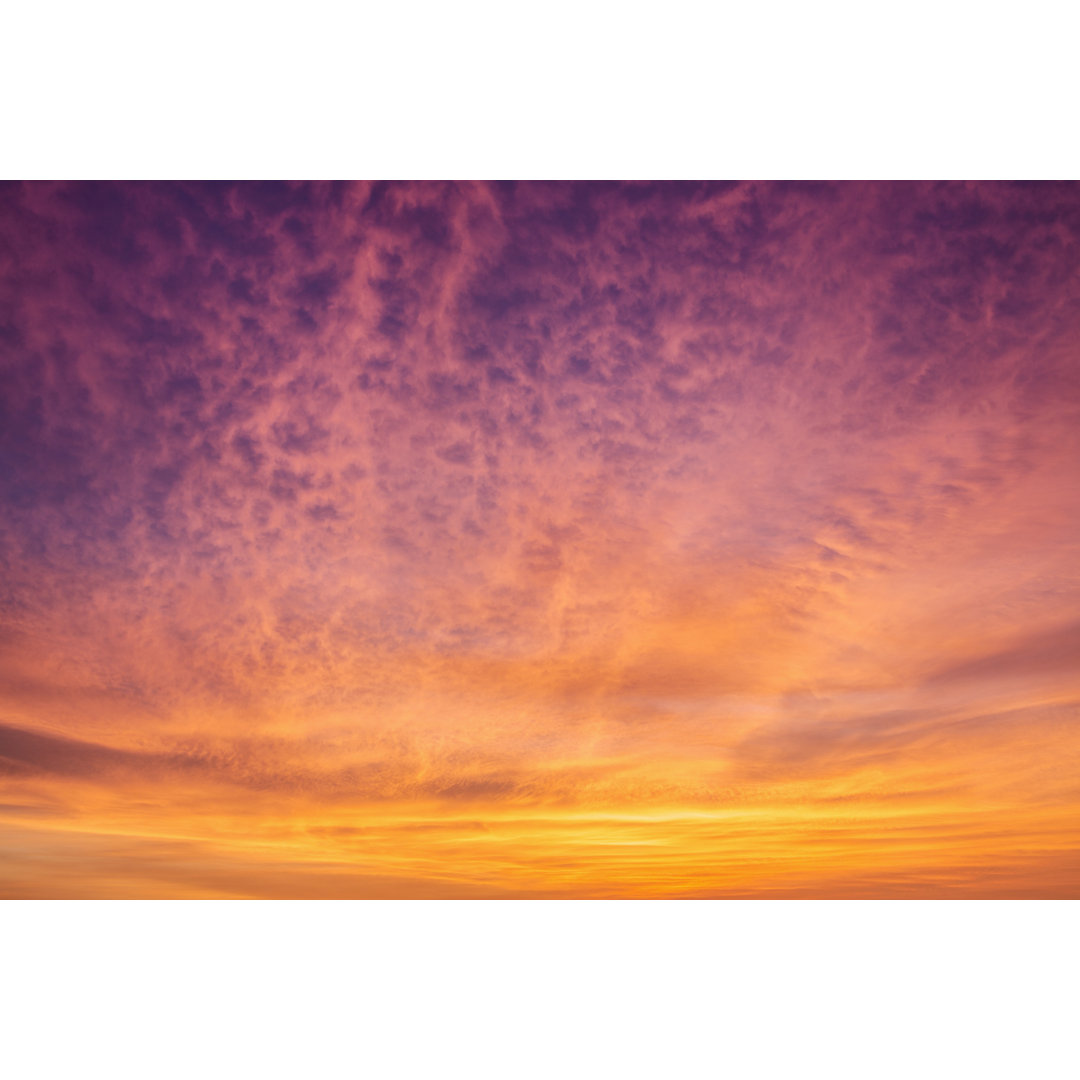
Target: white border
428,90
579,989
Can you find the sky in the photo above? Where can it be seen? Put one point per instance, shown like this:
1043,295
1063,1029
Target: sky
464,540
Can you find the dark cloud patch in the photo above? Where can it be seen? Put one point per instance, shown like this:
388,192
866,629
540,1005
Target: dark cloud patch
400,306
319,288
182,388
36,752
106,211
248,448
323,511
275,198
242,289
842,745
498,374
459,453
447,391
27,754
304,437
420,222
1051,652
286,484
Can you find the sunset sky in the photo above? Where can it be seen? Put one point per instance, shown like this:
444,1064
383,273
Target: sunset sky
540,540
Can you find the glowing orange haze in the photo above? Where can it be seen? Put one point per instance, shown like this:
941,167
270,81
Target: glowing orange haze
557,540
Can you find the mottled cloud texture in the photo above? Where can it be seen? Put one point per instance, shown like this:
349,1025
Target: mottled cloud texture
539,540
